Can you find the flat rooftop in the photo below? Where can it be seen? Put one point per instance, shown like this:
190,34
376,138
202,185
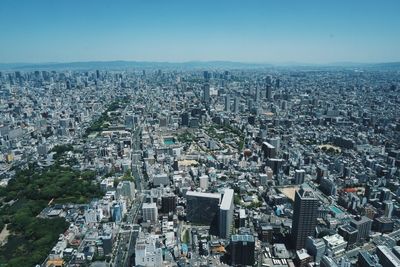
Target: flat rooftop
227,199
200,194
289,192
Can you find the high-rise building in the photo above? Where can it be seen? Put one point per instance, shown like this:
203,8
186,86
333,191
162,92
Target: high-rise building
299,176
206,75
385,194
126,189
396,251
268,89
263,178
227,103
349,234
117,213
277,83
202,208
304,216
242,250
185,119
226,214
269,150
365,259
257,94
236,101
389,206
203,180
168,203
315,247
206,94
363,225
387,257
150,212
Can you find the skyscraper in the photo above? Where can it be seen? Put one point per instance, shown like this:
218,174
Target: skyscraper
304,216
268,89
206,94
242,250
257,94
226,214
202,208
299,176
168,203
388,208
236,104
363,225
227,103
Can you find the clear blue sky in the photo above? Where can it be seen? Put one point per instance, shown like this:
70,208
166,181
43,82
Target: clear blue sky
273,31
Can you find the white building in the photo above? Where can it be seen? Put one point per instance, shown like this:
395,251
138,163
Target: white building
90,216
147,253
203,182
336,244
161,179
126,189
150,212
226,214
263,178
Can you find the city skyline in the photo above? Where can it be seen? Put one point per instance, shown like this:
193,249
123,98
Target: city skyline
175,31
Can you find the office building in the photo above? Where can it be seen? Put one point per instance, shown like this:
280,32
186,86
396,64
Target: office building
328,262
203,180
389,206
236,102
168,203
363,226
366,259
387,257
302,258
268,89
304,216
126,189
385,194
185,116
383,225
263,178
328,186
299,176
202,208
227,103
161,179
396,251
147,253
335,244
257,94
269,150
150,212
206,94
226,214
315,247
117,213
349,233
242,250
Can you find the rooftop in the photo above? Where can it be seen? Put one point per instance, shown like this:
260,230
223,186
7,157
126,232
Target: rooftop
227,199
200,194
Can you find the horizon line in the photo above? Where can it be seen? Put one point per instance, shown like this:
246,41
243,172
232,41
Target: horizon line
203,61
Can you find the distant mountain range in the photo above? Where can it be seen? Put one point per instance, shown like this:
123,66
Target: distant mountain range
126,65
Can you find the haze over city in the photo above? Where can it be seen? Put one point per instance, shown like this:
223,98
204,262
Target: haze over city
176,31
